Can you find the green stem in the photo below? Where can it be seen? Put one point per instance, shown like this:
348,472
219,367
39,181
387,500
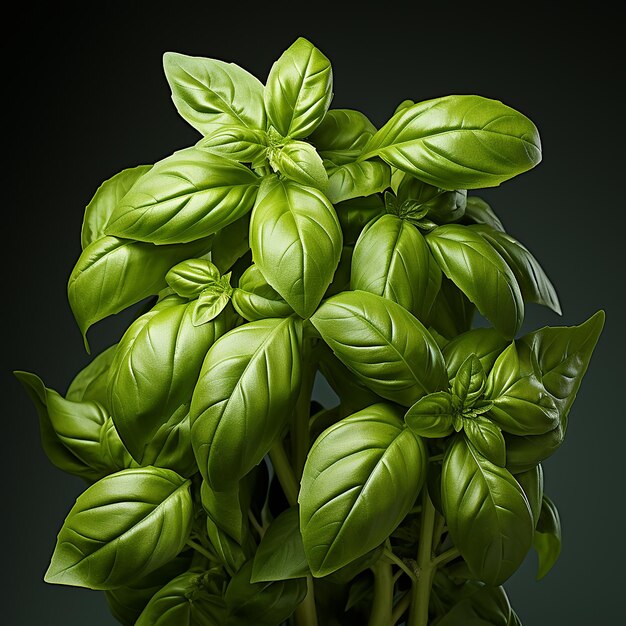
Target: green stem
283,470
418,614
400,563
300,430
446,557
382,606
306,613
203,551
401,607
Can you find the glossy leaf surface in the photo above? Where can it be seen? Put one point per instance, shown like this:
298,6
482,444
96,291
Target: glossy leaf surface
547,538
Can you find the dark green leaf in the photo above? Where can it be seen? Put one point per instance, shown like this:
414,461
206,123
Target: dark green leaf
106,198
479,606
432,415
481,274
365,467
547,539
209,93
186,196
391,259
184,601
534,285
231,243
341,279
524,452
231,554
387,348
254,299
469,382
531,482
352,180
296,242
452,312
561,356
225,509
458,142
355,214
248,384
485,343
520,403
95,290
300,162
91,382
154,371
487,513
477,211
244,145
261,604
487,438
121,528
280,555
299,90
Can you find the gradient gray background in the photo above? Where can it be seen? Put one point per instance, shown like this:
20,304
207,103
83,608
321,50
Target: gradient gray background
88,101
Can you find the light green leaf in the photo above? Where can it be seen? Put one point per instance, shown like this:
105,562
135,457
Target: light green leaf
91,382
458,142
391,259
481,274
352,180
231,243
342,135
547,538
122,527
232,554
209,305
96,290
280,555
248,384
487,438
255,299
244,145
209,93
432,415
534,285
300,162
296,242
485,343
361,478
299,90
188,195
106,198
487,513
387,348
190,277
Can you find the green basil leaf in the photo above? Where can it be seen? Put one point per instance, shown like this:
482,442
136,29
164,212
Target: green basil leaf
481,274
231,243
280,555
225,509
534,285
356,213
73,434
458,142
244,145
296,242
342,135
561,356
485,343
479,605
155,368
469,382
186,196
341,279
190,277
440,205
487,438
350,571
209,93
232,554
355,179
299,90
531,482
209,305
91,382
248,384
388,349
264,603
391,259
255,299
122,527
95,290
493,528
547,539
300,162
184,601
127,602
477,211
106,198
432,415
366,466
520,403
525,452
452,312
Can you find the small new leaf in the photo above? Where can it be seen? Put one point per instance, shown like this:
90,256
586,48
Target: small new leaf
300,162
487,438
469,382
189,278
432,415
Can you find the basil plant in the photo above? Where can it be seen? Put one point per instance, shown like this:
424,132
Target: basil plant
295,241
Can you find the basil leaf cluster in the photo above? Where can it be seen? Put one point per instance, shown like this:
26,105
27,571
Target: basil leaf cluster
294,242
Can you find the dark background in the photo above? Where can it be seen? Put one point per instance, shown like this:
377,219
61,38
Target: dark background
87,97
